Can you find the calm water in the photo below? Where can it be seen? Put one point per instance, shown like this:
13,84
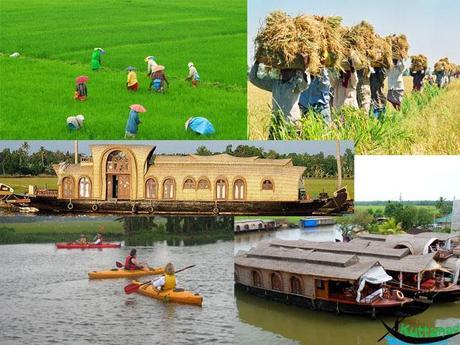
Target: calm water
46,297
265,322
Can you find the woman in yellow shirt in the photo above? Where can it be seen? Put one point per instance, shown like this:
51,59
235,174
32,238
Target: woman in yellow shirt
168,281
132,84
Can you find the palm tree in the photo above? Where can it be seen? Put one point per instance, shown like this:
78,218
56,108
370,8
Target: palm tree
339,164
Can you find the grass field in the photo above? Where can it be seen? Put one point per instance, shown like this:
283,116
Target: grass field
21,184
56,39
382,207
313,186
428,123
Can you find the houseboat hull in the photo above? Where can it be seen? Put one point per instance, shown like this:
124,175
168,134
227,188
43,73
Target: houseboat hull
399,309
192,207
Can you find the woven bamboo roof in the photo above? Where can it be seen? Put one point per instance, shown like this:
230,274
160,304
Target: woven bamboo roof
221,159
439,235
372,237
73,169
315,268
452,264
410,263
357,247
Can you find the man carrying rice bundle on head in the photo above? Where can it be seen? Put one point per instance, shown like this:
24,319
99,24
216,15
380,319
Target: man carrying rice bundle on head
440,69
345,88
395,74
419,64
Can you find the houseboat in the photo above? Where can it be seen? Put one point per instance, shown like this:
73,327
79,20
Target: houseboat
131,179
313,222
250,225
339,283
416,275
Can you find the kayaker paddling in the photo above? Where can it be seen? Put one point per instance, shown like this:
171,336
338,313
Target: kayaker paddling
168,280
98,238
82,239
132,263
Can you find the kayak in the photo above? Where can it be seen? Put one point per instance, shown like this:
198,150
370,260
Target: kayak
71,245
122,273
176,296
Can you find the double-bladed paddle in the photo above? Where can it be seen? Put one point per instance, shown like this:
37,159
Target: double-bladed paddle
130,288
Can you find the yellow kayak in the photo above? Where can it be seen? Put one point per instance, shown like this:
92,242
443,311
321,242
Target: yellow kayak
122,273
176,296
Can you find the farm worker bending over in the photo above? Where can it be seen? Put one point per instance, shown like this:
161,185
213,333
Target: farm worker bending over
317,96
168,281
132,263
417,80
81,92
378,99
158,79
151,63
132,84
345,89
96,58
193,75
133,120
75,122
396,84
363,89
285,90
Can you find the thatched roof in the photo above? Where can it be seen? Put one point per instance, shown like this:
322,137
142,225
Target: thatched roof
452,264
416,245
439,235
304,262
410,263
356,247
372,237
221,159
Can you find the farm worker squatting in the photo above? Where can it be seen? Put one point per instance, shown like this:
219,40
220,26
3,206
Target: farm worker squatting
378,99
285,90
75,122
193,75
317,96
96,58
396,84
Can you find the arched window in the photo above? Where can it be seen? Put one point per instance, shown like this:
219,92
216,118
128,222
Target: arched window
204,184
261,226
267,184
151,189
239,190
256,279
221,189
189,183
67,188
118,162
84,187
238,228
296,285
246,227
277,283
169,187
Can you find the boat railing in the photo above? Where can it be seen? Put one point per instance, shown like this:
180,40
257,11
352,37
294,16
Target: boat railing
47,192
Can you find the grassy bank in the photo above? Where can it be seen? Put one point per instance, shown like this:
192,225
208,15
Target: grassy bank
39,85
428,123
314,186
146,238
382,207
21,184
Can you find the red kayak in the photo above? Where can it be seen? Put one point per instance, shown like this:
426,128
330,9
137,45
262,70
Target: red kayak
84,246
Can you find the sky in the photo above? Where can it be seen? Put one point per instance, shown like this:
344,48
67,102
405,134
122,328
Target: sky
431,26
414,177
182,146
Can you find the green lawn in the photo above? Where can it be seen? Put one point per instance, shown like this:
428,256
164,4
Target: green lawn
382,207
21,184
316,186
56,38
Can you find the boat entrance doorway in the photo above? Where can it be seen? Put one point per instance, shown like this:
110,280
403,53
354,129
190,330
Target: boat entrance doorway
118,176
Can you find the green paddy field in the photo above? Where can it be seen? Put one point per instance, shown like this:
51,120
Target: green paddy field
56,37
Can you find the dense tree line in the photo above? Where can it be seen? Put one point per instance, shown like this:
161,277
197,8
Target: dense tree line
24,162
317,165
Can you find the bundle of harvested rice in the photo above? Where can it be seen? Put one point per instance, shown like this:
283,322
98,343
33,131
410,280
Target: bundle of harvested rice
419,62
283,39
363,44
441,65
399,46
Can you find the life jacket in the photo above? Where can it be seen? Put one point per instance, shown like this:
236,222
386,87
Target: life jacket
128,263
170,282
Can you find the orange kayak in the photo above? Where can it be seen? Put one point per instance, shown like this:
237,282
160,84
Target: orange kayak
176,296
122,273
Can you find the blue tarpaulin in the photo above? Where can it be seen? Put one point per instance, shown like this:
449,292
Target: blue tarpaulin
200,125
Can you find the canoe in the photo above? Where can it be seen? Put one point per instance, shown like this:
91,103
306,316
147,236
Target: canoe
122,273
183,297
86,246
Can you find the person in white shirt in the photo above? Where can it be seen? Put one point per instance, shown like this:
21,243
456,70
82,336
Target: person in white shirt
396,84
345,89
